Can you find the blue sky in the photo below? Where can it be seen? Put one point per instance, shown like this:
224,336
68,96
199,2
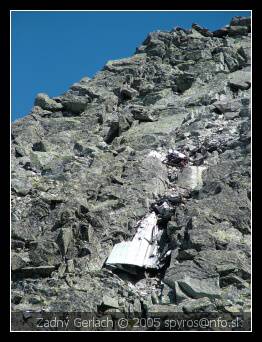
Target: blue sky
52,50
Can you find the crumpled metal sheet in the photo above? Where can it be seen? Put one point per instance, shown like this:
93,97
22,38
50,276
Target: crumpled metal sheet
176,158
142,251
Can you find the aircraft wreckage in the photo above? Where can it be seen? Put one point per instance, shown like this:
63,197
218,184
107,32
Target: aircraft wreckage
143,251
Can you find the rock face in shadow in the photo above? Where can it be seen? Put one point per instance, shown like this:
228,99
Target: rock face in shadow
89,164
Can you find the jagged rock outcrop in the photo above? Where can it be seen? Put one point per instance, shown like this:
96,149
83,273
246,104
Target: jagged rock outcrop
83,175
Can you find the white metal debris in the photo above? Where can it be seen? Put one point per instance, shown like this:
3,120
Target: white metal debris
176,154
171,155
176,158
158,155
142,251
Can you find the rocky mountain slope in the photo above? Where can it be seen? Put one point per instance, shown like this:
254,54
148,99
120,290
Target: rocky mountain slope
88,165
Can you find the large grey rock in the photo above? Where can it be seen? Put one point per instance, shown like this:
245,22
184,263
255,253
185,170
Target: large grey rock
42,100
204,31
199,305
142,114
110,302
44,253
64,238
225,262
240,80
193,280
19,260
227,106
238,30
127,93
74,103
240,21
184,81
191,177
21,186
